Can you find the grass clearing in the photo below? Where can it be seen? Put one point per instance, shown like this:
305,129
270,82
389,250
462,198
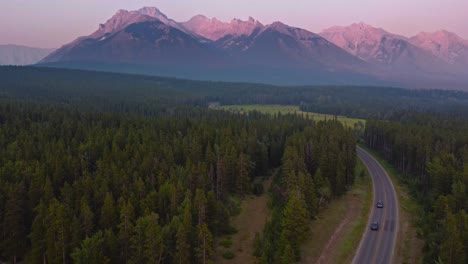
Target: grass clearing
409,247
289,109
336,234
239,247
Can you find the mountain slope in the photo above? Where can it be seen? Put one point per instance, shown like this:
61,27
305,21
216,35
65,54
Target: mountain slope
148,42
21,55
445,45
281,43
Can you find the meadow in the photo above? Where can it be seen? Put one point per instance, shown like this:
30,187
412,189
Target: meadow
290,109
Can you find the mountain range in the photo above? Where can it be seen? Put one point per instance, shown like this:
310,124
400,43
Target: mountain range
147,41
21,55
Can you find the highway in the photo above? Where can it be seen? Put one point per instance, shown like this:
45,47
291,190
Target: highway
378,246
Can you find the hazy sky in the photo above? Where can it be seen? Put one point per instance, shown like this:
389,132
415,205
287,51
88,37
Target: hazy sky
52,23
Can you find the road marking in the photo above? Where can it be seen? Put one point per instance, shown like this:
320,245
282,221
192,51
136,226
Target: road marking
395,199
392,225
369,220
383,222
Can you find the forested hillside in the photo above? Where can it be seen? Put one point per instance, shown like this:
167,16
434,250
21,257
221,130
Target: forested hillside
432,154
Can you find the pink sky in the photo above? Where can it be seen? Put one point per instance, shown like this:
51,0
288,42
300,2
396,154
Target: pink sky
52,23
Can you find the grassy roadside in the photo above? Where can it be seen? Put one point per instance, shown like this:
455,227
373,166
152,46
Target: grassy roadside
409,246
289,109
363,189
339,227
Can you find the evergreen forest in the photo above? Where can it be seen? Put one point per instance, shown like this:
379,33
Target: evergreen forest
113,168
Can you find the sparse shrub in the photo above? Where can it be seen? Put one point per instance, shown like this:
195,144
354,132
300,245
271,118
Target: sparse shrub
226,243
228,255
257,189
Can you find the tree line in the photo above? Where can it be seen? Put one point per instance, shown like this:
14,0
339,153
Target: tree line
148,95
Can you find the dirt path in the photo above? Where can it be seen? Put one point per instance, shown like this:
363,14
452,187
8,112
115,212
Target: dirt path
254,213
347,207
328,254
338,228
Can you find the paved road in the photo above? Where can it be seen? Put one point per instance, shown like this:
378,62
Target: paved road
378,246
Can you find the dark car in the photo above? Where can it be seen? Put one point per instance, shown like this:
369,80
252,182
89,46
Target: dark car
374,226
379,204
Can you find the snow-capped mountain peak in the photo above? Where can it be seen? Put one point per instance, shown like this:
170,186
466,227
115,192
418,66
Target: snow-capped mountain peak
156,13
215,29
124,18
119,21
152,11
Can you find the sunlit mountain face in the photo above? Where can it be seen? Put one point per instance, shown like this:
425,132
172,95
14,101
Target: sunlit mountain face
147,41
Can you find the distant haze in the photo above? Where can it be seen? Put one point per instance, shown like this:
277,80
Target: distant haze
52,23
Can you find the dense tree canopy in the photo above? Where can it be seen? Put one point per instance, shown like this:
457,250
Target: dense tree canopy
94,187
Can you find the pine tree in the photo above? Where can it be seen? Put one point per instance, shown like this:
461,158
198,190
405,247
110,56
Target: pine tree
154,247
126,228
137,241
108,212
292,181
199,203
48,191
76,232
38,240
146,241
57,233
220,178
86,218
243,178
310,197
205,244
111,246
295,221
91,251
14,237
451,248
288,257
184,235
340,176
309,161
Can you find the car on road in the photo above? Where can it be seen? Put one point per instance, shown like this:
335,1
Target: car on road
374,226
379,204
